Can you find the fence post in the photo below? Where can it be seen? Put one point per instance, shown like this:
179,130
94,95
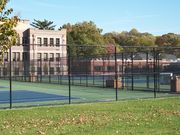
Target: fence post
158,71
147,70
86,58
154,70
81,70
69,73
122,70
61,70
41,69
58,71
116,75
132,71
93,71
104,72
10,80
49,70
4,76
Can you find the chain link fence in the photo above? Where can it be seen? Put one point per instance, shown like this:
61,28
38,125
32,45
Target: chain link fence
88,74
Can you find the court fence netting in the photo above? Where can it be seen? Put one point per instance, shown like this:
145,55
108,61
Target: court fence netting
81,74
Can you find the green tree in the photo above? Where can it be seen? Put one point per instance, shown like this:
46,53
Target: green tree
169,39
134,32
87,33
68,28
109,38
85,39
8,36
147,39
133,38
70,41
43,25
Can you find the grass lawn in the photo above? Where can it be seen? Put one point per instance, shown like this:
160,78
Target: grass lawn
152,116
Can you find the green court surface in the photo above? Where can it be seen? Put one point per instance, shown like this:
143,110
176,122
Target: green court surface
79,94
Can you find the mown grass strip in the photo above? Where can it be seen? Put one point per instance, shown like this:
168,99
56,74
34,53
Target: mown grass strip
152,116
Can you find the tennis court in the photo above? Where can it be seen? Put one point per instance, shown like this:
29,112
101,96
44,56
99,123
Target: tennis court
33,94
23,96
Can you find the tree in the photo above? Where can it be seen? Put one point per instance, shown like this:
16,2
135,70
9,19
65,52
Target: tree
87,33
84,39
135,38
134,32
68,28
169,39
109,38
43,25
8,36
131,38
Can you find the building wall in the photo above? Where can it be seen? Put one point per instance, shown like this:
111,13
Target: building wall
36,47
28,48
107,67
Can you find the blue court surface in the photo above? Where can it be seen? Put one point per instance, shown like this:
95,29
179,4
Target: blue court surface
3,87
21,96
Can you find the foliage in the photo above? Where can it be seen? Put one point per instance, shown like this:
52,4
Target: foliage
133,38
110,38
43,25
8,36
87,35
154,116
169,39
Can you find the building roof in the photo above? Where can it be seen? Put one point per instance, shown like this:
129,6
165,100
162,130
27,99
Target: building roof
168,57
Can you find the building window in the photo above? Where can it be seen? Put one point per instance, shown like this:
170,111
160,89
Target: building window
57,56
45,56
39,41
24,40
52,70
14,56
39,56
45,69
16,71
18,56
51,56
57,41
51,41
39,71
25,56
6,56
5,71
110,68
98,68
58,69
45,41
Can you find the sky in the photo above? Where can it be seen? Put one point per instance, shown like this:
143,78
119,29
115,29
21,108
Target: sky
154,16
